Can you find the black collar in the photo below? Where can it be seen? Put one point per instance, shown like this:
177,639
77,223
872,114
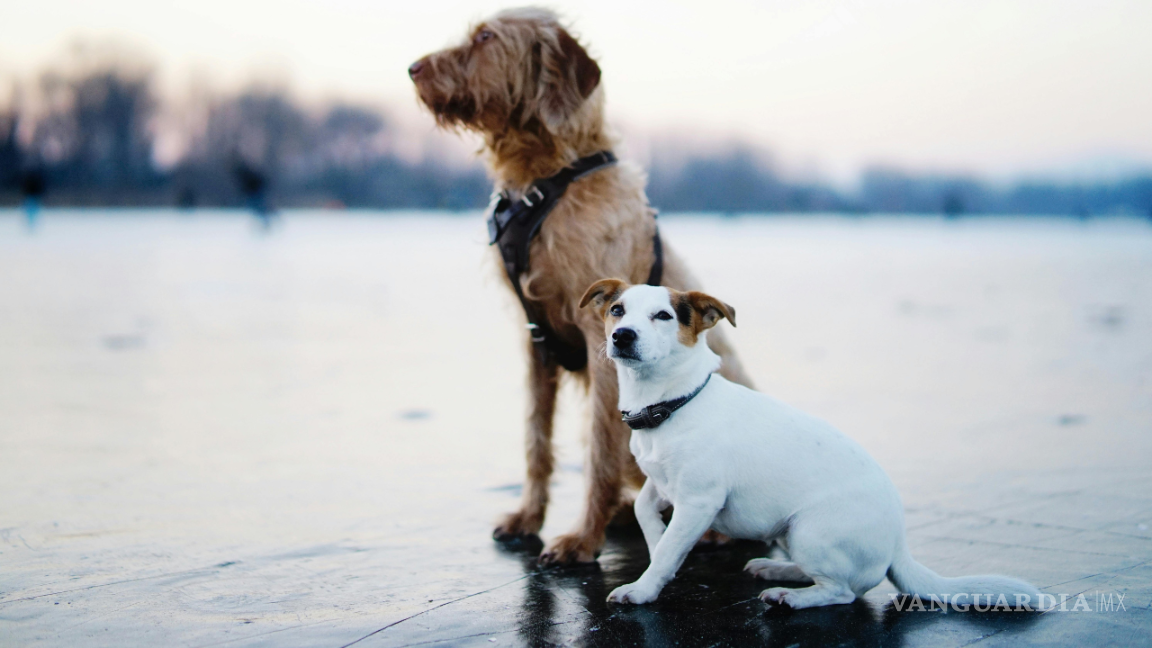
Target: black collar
653,415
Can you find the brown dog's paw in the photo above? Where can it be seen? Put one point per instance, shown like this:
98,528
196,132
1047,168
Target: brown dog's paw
570,549
517,525
713,539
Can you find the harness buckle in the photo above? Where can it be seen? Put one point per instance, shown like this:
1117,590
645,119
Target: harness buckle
498,205
495,200
533,189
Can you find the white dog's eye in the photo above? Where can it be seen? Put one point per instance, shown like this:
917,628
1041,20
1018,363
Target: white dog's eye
617,310
484,35
662,315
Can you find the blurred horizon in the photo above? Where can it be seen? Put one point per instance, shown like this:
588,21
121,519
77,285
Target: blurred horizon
997,89
974,107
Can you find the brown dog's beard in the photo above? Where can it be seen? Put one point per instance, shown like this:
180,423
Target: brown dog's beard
445,99
476,112
512,140
453,112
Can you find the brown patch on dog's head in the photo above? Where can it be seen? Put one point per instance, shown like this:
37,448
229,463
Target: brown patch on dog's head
519,69
603,294
698,312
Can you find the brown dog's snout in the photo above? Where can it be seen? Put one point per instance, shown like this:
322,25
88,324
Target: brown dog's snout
416,68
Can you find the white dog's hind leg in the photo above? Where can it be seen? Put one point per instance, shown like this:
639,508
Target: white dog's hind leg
839,558
822,593
776,570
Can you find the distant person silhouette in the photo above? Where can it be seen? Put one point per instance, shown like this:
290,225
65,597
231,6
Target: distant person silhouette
254,186
32,186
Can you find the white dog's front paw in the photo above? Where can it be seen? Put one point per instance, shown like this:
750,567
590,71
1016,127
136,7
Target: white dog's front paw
633,593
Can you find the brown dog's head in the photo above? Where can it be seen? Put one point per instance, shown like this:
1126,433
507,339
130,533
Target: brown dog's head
518,69
646,324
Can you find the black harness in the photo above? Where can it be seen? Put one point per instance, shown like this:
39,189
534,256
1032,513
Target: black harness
513,224
653,415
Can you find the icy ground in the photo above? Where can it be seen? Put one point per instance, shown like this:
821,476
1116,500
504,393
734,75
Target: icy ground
212,436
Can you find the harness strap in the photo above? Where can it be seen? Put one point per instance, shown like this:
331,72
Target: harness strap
513,224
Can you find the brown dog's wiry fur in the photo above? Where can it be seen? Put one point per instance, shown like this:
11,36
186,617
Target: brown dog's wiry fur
527,86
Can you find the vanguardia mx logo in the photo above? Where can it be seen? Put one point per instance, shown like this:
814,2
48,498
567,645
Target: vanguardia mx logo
962,602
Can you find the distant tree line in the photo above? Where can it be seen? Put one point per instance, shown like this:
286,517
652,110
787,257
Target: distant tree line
92,142
736,181
889,190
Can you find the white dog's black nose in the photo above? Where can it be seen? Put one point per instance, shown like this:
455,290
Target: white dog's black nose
623,338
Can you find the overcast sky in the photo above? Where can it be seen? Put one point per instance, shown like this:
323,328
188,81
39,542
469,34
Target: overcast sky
1000,87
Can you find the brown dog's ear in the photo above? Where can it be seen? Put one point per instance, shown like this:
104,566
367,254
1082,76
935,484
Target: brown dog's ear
709,310
602,293
567,76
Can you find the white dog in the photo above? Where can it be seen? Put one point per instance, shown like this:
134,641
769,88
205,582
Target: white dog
737,461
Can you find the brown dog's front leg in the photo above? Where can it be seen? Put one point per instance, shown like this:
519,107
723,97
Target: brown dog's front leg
542,384
603,470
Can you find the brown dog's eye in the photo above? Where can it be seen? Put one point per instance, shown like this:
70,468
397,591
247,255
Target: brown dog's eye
662,315
617,310
484,35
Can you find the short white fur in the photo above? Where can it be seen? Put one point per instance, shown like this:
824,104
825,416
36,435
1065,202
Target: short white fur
751,467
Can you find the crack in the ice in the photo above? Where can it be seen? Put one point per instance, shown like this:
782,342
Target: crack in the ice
119,582
1021,546
478,634
101,616
982,638
725,607
1107,571
983,514
436,607
954,515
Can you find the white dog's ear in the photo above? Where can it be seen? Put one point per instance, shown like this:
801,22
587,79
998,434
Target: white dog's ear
701,311
567,76
602,293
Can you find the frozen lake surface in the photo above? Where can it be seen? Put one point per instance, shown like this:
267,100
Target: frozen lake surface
211,435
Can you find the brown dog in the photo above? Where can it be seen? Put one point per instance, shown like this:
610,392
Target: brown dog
525,84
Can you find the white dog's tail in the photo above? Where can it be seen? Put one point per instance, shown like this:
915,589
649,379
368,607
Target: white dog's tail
913,578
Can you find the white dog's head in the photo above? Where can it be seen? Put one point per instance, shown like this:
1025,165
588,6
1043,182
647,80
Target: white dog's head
647,324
